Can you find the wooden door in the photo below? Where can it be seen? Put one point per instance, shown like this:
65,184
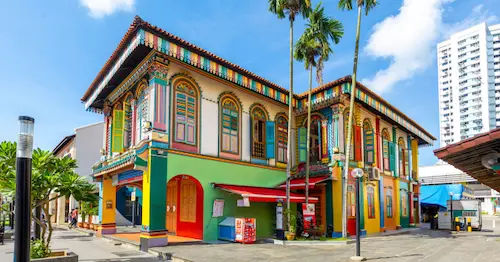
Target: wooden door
188,201
172,206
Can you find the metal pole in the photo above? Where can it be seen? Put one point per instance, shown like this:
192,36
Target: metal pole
133,210
23,190
451,213
358,220
38,215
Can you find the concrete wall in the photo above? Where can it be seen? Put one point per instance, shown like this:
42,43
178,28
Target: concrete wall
88,143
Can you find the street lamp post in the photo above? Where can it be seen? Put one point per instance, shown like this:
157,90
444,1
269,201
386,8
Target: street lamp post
451,211
23,190
357,173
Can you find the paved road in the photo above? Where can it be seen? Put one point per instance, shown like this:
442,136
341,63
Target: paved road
419,245
87,247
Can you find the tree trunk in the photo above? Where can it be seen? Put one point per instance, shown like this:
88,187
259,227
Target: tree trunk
308,148
349,127
49,224
290,117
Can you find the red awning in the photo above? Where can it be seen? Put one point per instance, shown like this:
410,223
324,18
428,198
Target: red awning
300,183
263,194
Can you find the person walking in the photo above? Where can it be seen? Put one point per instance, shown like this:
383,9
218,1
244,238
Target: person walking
74,218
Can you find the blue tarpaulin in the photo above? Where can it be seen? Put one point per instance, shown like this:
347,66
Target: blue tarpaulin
439,194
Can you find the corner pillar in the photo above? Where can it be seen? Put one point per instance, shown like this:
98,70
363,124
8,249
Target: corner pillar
154,183
107,194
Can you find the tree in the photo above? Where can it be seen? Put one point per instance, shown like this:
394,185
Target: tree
368,5
51,178
290,8
314,49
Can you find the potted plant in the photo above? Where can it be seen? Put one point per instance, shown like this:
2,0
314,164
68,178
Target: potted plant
290,233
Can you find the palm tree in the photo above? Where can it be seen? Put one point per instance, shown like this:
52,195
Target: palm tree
282,8
348,5
314,48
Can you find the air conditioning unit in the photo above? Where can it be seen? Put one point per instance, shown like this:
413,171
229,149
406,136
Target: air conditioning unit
374,174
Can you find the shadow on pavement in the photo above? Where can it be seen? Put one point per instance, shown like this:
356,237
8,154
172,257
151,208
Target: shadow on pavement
397,256
131,259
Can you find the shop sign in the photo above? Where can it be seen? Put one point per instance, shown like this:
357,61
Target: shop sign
218,209
245,202
309,214
279,216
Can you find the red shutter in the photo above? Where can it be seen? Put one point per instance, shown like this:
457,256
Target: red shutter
357,143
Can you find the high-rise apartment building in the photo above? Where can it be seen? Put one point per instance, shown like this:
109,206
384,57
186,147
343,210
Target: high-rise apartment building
469,83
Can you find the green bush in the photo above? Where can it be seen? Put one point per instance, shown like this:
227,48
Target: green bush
39,249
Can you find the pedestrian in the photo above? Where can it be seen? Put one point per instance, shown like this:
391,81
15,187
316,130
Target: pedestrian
74,217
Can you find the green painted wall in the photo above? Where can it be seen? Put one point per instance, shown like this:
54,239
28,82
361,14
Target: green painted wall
212,171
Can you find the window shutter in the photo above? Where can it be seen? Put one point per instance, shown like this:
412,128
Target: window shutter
357,143
392,156
117,131
269,139
369,146
302,144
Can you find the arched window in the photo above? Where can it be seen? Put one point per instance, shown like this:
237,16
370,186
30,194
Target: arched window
369,142
142,111
385,149
370,197
281,139
352,151
230,125
315,141
402,157
351,200
259,117
388,200
404,202
185,112
127,128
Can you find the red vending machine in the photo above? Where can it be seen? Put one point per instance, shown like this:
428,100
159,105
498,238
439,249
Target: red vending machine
245,230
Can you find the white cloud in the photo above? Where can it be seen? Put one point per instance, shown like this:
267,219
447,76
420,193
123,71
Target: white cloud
408,39
100,8
479,15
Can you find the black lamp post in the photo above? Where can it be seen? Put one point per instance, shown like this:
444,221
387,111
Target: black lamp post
451,211
23,190
357,173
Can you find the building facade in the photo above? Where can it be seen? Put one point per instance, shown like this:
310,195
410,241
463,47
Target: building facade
191,130
85,147
469,83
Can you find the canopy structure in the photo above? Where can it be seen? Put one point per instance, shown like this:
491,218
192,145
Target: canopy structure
478,156
439,194
263,194
300,183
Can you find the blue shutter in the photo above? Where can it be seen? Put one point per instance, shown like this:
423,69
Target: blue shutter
269,139
302,144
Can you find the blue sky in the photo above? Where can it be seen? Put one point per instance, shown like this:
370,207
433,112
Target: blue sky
51,51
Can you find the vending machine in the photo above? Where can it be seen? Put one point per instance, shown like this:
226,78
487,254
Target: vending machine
245,230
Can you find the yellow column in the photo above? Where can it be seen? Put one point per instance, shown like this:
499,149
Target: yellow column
414,157
337,200
108,225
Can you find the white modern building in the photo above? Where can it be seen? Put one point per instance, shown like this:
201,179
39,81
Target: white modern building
469,83
85,147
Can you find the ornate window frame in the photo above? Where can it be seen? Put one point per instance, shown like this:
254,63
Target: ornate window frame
258,149
188,102
227,117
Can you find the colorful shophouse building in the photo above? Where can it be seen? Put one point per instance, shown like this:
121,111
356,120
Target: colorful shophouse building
186,128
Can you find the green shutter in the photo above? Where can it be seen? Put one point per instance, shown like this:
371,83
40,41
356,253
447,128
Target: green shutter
392,156
302,144
117,131
270,139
